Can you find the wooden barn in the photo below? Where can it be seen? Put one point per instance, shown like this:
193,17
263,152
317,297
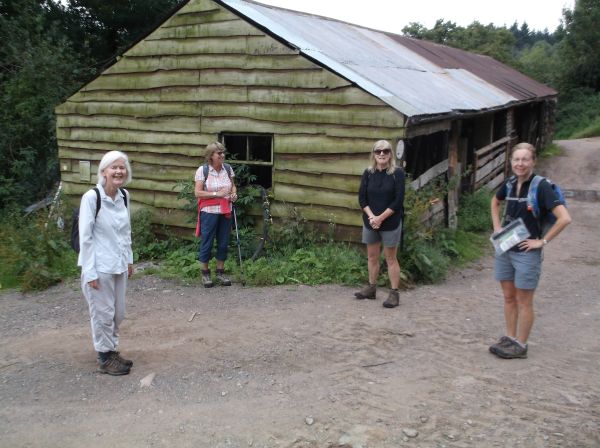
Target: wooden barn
301,99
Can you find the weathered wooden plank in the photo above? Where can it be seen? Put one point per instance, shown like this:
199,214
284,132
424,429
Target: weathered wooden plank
316,78
383,117
257,45
343,96
205,61
496,172
140,81
222,124
430,174
146,110
237,94
162,172
495,182
492,146
165,150
167,158
348,184
490,166
309,195
213,29
309,144
319,165
191,17
127,136
480,161
199,6
137,184
319,213
158,124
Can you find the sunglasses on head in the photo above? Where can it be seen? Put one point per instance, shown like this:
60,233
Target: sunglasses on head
382,151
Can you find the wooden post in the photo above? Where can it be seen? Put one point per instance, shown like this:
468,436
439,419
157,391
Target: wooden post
453,173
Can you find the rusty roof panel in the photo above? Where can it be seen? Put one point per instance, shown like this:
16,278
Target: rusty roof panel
415,77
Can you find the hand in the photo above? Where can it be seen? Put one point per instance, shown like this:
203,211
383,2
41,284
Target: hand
94,284
233,197
527,245
129,270
375,222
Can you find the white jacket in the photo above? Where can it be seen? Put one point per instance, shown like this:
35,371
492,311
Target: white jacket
104,241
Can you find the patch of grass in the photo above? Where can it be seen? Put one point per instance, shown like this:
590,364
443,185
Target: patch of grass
550,151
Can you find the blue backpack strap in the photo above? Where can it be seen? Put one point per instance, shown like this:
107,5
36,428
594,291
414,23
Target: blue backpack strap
532,195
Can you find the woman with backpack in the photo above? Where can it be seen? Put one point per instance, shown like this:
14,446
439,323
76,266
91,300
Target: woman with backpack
215,191
381,198
106,258
518,269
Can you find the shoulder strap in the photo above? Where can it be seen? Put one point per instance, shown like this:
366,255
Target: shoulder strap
98,201
124,193
229,169
532,200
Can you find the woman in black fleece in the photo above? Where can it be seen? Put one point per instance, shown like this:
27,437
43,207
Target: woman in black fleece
381,197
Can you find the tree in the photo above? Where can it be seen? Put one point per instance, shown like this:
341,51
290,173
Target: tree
580,47
39,69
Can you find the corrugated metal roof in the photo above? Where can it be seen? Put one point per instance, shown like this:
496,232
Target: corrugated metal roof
415,77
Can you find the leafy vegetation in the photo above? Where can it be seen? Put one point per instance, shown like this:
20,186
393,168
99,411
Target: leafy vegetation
35,254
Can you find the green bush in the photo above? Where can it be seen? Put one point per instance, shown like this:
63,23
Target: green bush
474,211
35,254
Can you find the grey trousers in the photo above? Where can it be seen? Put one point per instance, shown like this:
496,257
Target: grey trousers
107,309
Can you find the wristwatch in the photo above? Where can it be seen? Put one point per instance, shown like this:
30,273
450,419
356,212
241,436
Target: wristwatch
544,241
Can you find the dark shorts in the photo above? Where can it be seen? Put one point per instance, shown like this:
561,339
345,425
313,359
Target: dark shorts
523,268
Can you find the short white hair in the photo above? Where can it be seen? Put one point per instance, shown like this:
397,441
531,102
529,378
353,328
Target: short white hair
108,159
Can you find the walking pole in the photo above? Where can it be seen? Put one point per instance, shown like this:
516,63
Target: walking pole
237,238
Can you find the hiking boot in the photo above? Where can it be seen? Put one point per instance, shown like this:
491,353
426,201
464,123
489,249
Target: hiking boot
112,366
126,362
368,292
206,280
512,351
393,299
503,342
222,279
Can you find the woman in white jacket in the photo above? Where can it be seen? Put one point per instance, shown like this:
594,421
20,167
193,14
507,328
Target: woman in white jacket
106,258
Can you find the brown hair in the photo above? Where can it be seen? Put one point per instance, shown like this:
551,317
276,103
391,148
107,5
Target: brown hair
524,145
211,148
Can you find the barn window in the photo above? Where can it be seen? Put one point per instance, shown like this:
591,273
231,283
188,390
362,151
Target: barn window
254,150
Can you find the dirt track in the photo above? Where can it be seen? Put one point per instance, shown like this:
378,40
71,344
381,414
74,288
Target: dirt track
312,367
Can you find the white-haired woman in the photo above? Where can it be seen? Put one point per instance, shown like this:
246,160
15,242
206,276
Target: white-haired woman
381,198
106,257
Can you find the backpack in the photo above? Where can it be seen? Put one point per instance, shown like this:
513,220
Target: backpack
533,203
75,218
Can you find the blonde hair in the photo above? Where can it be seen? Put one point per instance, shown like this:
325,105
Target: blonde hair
108,159
382,144
211,148
524,145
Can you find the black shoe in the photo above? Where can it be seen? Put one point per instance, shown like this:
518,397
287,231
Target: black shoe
112,366
513,351
368,292
127,362
503,342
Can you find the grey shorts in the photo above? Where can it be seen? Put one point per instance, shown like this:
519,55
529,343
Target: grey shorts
389,238
523,268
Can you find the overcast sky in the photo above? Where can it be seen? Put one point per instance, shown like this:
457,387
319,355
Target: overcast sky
393,15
